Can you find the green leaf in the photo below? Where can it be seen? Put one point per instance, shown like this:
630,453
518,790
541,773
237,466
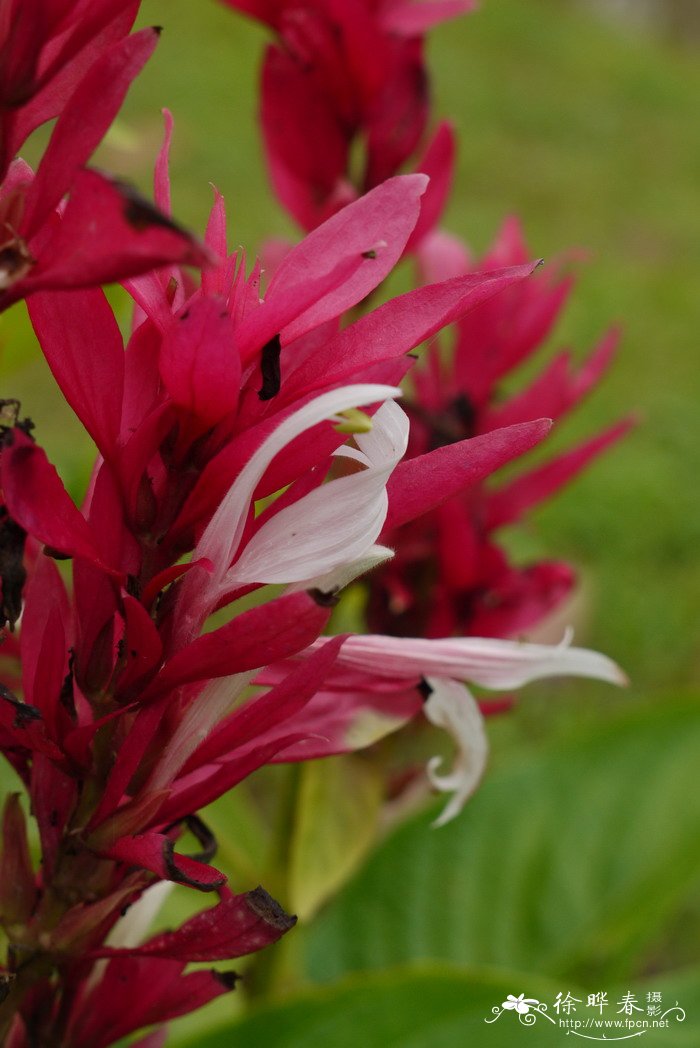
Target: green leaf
565,862
335,824
436,1008
442,1007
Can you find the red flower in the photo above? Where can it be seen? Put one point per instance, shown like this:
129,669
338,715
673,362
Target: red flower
105,231
46,47
449,576
355,73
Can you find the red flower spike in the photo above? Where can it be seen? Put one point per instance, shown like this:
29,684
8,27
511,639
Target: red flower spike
356,73
133,718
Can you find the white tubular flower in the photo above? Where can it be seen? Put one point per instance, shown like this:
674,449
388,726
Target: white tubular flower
490,663
310,552
335,524
444,664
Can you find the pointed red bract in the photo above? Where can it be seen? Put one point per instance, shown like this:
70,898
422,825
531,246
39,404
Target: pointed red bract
238,925
420,484
156,852
86,358
38,501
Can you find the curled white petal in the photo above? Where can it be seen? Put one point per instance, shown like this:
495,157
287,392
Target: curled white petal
336,523
452,707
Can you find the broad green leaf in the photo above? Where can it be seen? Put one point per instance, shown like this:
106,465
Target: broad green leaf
443,1007
436,1008
335,823
565,862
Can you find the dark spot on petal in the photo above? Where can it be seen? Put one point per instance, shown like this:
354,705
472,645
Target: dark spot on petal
142,214
227,979
66,696
12,571
424,689
15,262
324,600
269,910
56,554
133,586
465,411
369,254
270,368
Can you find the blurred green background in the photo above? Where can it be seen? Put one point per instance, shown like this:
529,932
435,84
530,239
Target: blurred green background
577,866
